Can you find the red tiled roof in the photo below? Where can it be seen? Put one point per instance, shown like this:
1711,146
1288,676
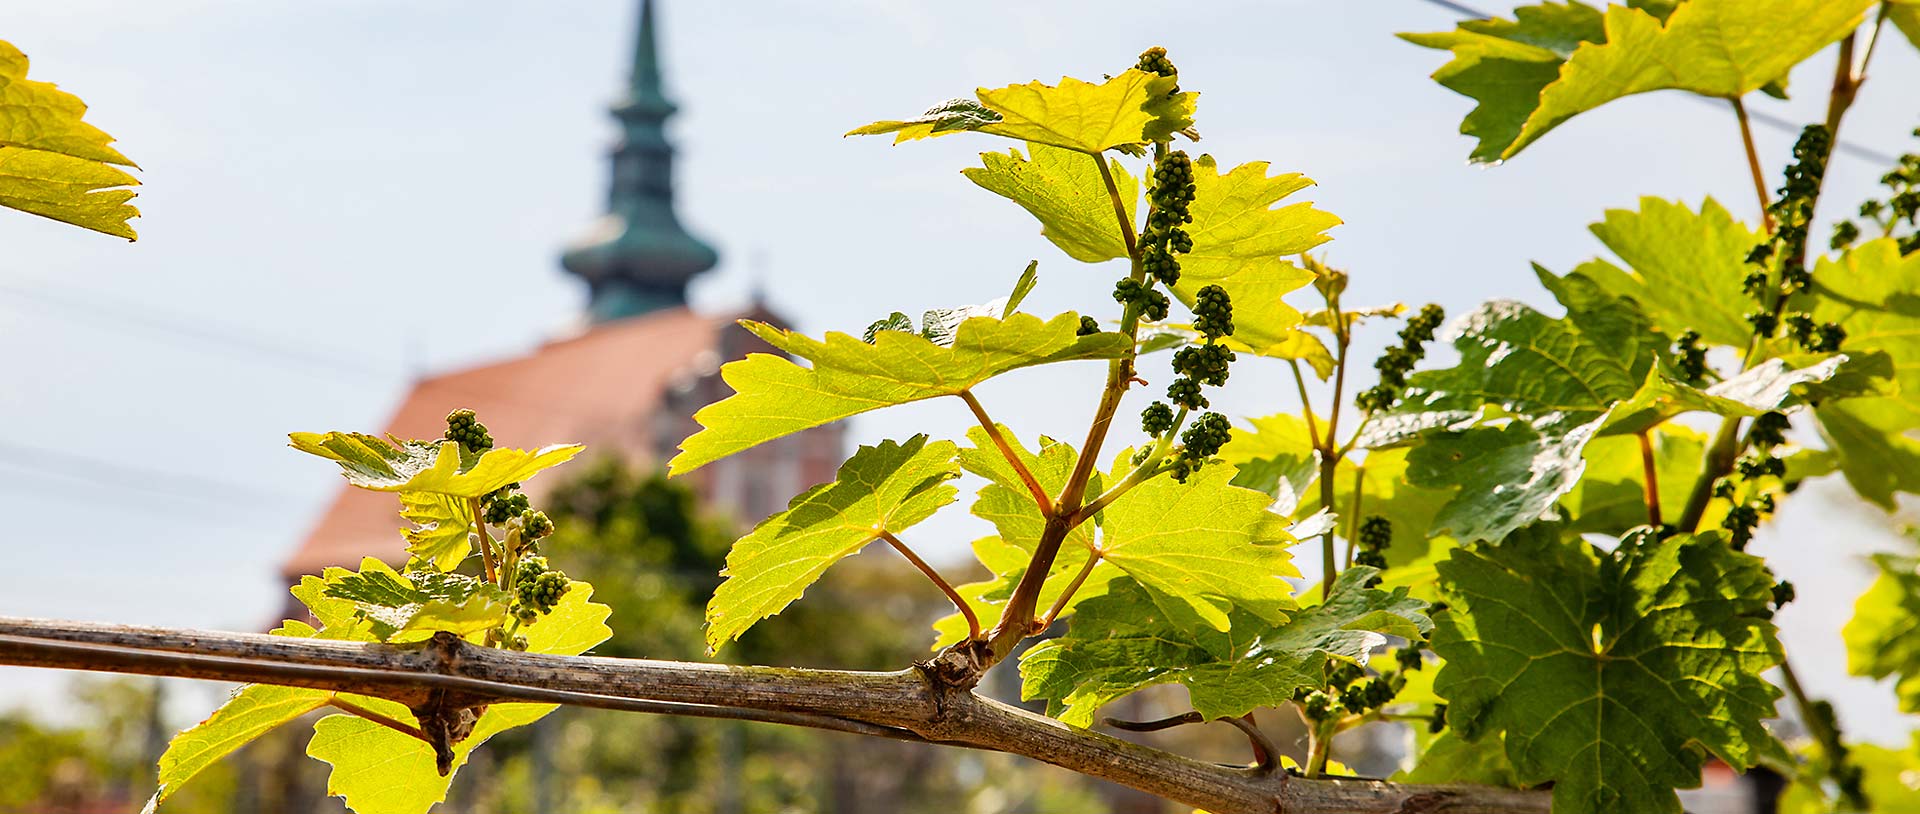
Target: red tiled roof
601,388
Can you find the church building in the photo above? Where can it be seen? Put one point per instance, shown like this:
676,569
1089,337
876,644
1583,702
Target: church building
628,384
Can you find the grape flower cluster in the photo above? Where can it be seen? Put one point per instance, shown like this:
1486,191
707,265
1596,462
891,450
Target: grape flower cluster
1376,534
1767,433
1398,360
1786,250
1901,208
465,428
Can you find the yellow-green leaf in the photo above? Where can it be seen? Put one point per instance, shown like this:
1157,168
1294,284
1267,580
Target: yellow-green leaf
380,771
1128,110
441,524
774,397
1669,248
1064,190
54,164
375,463
1204,547
1723,48
1882,639
1133,108
1239,238
881,489
254,710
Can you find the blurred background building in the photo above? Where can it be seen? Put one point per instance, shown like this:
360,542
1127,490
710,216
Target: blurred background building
627,382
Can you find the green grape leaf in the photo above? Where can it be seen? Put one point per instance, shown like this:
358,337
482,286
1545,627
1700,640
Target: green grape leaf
1881,638
1123,641
1869,291
252,711
378,464
54,164
1611,674
1128,110
1770,385
1611,495
1275,456
377,770
1507,477
441,528
1555,62
1669,248
1239,239
1723,48
881,489
1527,363
774,397
1204,548
414,606
1505,64
1063,189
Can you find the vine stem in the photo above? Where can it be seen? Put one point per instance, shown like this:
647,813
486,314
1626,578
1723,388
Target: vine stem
1652,478
1306,404
352,708
1330,462
1018,617
1753,163
1353,514
1093,559
973,622
904,705
1040,497
486,544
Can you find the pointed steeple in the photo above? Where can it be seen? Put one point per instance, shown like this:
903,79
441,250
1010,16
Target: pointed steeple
638,258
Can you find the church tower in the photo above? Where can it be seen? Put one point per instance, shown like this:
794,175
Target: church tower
638,258
627,385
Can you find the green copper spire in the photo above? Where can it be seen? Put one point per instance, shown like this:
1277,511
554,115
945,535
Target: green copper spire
638,258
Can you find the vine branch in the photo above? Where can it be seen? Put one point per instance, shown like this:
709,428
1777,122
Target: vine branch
904,705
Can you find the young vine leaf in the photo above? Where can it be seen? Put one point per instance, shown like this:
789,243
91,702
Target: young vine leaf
1614,674
1130,110
1202,548
1769,386
1667,247
1718,48
252,711
774,397
52,163
881,489
1118,644
440,528
1063,189
440,467
1239,238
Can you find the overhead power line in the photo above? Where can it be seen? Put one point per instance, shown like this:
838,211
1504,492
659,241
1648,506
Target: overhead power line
1776,122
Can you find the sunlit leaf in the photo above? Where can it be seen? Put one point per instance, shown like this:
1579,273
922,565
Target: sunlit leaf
1063,189
1118,644
1611,674
372,462
774,397
884,488
54,164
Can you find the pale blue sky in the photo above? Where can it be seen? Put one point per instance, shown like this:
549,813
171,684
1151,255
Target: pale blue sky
342,195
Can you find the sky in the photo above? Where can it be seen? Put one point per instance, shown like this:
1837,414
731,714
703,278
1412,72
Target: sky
340,197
